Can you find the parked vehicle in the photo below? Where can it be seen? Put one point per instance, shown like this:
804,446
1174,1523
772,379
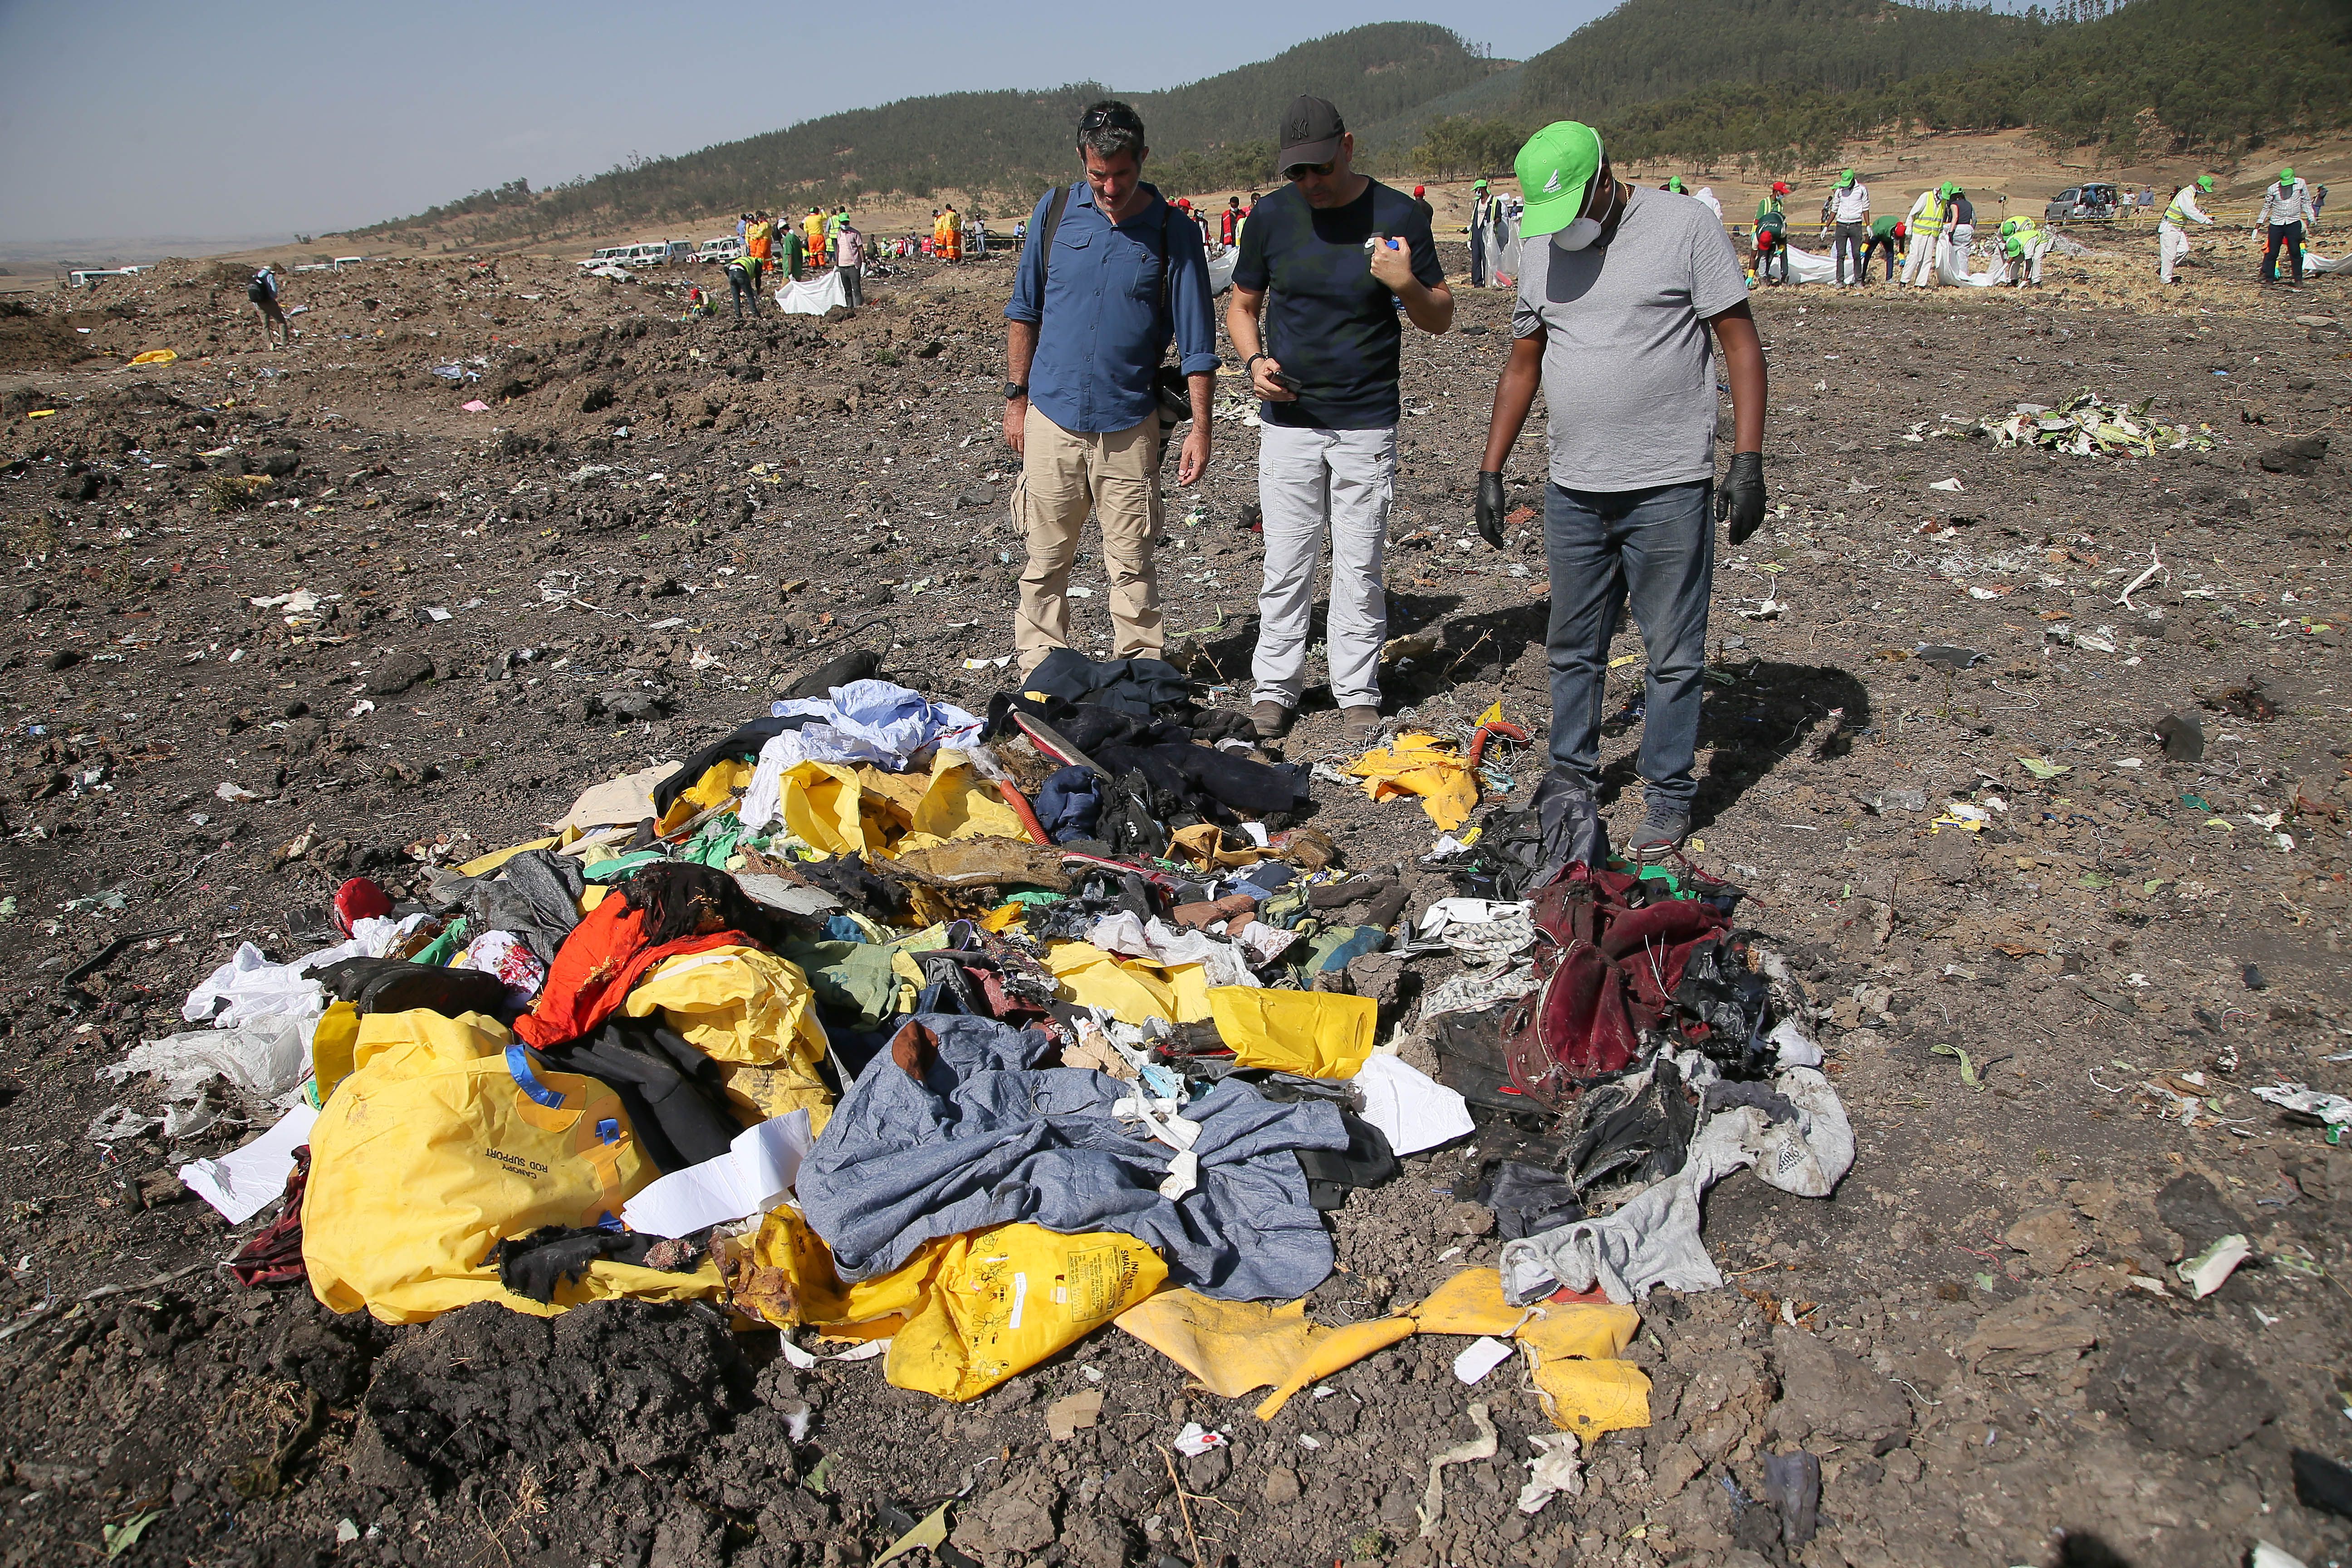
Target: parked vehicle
723,249
2083,204
647,253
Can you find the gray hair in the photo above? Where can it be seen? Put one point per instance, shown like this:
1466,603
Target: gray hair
1111,128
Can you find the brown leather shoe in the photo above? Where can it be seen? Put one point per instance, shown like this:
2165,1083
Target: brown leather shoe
1359,725
1271,719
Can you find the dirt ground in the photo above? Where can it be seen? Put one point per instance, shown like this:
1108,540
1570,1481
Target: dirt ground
2045,1031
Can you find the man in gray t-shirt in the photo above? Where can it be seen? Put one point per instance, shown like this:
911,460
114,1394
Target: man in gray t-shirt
1619,288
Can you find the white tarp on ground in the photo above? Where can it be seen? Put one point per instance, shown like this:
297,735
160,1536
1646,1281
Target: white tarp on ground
1221,267
813,296
1806,267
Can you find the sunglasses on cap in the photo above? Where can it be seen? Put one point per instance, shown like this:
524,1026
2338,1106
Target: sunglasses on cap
1097,119
1297,172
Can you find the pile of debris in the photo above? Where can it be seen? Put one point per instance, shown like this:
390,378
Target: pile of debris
952,1038
2086,423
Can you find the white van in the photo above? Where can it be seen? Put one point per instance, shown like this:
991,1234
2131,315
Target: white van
611,255
725,248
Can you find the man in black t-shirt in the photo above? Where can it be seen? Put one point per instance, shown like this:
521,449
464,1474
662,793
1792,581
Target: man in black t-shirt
1328,260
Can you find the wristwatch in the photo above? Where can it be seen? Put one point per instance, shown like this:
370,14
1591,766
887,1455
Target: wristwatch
1014,389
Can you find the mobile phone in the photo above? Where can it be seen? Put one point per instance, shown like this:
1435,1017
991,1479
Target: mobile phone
1283,379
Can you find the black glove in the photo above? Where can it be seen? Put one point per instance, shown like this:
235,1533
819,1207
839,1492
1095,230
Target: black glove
1490,508
1742,496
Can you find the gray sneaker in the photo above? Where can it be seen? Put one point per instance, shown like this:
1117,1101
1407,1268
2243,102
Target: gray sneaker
1662,833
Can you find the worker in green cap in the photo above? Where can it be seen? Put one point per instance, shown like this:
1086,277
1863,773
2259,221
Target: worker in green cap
2286,208
1850,209
2024,241
1626,296
1956,218
2171,237
1482,218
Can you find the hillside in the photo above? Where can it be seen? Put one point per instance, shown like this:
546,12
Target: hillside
1646,50
2149,78
1010,141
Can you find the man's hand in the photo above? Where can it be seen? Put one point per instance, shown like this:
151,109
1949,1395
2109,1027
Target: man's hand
1489,510
1741,498
1192,459
1391,262
1016,415
1262,381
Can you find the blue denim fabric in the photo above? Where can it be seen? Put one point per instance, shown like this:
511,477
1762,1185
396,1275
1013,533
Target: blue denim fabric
1104,330
1655,548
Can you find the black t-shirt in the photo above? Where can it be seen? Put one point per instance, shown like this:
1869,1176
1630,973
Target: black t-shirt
1334,327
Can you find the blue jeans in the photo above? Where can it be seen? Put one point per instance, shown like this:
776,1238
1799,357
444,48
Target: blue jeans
1655,549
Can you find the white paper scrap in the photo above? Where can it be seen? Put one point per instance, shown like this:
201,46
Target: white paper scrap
1412,1110
758,1168
1481,1356
242,1182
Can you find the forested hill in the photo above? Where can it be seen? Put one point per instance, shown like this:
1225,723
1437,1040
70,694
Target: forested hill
1012,140
1783,85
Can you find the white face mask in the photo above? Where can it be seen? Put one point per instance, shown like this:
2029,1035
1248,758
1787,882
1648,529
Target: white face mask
1580,235
1577,236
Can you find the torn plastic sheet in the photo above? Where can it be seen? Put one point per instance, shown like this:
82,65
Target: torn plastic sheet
2332,1110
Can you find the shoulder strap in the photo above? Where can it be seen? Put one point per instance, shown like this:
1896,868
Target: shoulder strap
1166,257
1045,247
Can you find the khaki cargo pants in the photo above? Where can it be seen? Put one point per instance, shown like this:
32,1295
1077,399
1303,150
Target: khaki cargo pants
1064,474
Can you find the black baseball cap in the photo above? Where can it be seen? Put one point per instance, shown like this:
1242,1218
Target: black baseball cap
1311,129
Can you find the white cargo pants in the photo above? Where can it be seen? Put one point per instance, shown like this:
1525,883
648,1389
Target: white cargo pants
1308,482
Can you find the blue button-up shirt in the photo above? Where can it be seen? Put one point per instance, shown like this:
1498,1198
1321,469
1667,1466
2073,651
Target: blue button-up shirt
1104,329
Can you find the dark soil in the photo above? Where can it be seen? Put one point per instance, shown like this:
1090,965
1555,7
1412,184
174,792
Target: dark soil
656,524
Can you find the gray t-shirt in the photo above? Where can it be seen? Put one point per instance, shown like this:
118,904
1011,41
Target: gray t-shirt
1629,366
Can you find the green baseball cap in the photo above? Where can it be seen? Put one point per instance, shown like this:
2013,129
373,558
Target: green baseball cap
1555,170
2205,182
1674,182
2286,176
1478,185
1846,179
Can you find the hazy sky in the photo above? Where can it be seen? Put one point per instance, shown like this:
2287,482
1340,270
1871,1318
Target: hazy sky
133,118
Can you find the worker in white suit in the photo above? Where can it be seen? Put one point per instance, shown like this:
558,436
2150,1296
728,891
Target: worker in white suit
2171,236
1925,224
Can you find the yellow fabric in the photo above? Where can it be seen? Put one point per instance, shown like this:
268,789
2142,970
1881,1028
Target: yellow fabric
156,356
1585,1389
821,807
332,1044
1421,765
431,1153
1002,916
952,801
717,783
1233,1347
1230,1347
1130,989
1001,1300
1340,1348
1203,843
964,1313
753,1011
1316,1034
483,865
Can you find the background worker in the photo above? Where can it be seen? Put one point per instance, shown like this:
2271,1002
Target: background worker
2171,236
793,254
262,292
1888,233
1482,215
743,283
1229,222
1772,235
1082,358
1926,223
813,234
849,260
1850,207
1326,369
2286,208
1613,322
2025,241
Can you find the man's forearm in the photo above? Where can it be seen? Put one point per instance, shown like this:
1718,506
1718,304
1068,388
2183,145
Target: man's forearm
1743,362
1241,323
1020,348
1514,394
1202,386
1431,309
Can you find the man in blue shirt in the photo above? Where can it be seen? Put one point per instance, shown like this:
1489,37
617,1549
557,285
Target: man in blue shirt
1090,325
